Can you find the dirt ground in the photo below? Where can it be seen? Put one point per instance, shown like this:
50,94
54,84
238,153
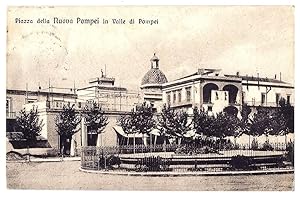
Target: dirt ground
66,175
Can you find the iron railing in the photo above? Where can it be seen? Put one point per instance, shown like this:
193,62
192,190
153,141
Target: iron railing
185,157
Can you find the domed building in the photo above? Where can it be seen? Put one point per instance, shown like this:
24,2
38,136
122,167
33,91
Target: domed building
151,85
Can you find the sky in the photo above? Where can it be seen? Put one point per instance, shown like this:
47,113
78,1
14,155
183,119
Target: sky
245,39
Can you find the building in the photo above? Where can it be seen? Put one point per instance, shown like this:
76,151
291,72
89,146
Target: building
152,83
114,100
265,92
111,97
16,99
211,90
208,89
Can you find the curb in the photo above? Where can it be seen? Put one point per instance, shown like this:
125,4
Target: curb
174,174
45,160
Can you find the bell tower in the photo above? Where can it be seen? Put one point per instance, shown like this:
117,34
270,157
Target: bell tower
154,62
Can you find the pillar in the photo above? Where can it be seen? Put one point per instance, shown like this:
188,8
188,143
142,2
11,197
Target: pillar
83,133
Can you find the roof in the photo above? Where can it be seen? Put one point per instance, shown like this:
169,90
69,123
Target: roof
36,93
154,76
249,78
120,131
154,58
252,78
111,88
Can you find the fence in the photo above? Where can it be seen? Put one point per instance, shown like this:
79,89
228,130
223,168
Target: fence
187,157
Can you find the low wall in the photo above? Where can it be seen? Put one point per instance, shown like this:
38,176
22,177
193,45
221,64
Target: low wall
101,158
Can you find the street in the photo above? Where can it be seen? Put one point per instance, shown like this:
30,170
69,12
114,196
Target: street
66,175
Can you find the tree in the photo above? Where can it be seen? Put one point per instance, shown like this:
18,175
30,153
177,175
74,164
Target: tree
125,121
202,121
245,121
273,122
95,120
67,125
30,126
284,118
261,123
224,125
174,123
140,120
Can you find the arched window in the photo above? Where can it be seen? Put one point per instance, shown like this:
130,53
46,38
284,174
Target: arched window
207,91
232,91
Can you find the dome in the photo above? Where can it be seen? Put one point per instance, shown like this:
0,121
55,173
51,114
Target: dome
154,75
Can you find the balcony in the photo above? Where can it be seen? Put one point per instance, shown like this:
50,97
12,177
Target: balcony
234,104
11,115
106,106
181,104
268,104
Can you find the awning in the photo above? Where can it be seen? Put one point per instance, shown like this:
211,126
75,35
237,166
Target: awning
120,131
190,133
155,132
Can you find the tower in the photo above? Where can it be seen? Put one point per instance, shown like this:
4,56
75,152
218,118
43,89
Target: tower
152,82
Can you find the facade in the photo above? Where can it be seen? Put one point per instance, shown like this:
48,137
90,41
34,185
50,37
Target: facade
213,91
207,89
266,92
112,98
16,99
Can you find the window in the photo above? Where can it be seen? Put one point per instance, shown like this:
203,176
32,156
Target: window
168,98
174,97
217,96
263,98
188,94
288,99
243,97
209,108
7,105
277,98
179,96
31,100
79,104
225,95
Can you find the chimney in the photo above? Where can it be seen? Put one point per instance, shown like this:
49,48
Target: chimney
238,73
275,76
280,76
200,71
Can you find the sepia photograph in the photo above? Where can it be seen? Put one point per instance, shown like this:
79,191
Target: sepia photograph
150,98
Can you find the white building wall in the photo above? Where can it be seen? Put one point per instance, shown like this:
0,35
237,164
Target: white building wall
252,95
220,100
86,94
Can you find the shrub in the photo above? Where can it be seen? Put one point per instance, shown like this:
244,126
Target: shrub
254,144
240,162
290,152
267,146
13,155
107,162
236,147
53,152
152,164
